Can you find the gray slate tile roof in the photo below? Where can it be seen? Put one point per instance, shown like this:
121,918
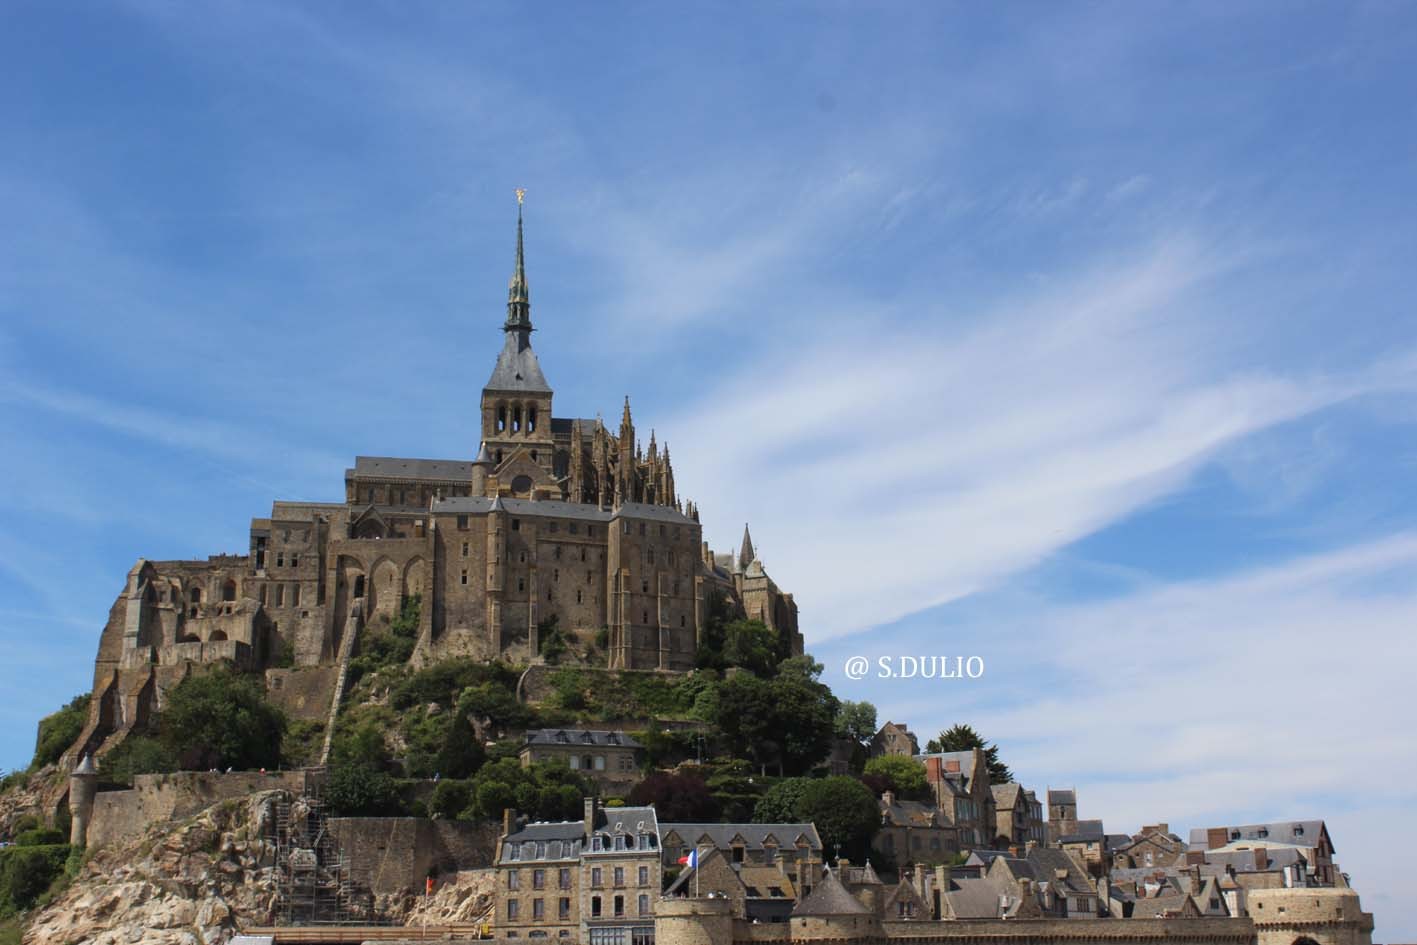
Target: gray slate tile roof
1062,797
393,467
829,897
721,835
481,505
517,369
568,736
1301,833
974,898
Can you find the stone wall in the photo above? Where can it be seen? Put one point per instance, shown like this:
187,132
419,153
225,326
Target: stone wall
303,692
391,855
154,798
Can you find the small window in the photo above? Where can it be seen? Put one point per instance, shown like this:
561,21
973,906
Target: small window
462,525
465,547
572,528
516,524
578,595
464,576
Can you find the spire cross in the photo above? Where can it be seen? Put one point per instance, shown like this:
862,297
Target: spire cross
521,192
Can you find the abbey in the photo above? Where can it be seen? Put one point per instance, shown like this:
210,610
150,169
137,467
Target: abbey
554,522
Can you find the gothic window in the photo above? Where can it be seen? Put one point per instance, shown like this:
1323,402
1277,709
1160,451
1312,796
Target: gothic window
501,419
531,423
516,419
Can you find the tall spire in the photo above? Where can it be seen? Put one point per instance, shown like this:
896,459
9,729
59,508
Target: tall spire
746,553
518,294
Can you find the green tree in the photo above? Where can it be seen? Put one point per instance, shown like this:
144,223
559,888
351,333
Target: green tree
450,798
59,730
781,802
221,719
965,738
355,789
752,645
906,776
787,721
856,723
845,813
544,791
134,755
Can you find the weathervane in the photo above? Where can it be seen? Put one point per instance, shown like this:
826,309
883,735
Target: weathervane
521,192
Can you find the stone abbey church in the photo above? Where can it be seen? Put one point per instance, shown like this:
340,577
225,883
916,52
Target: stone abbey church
553,518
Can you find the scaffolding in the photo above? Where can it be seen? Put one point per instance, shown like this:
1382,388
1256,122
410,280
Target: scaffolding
315,884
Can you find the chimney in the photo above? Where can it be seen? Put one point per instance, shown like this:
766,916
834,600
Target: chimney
1195,873
509,818
932,771
1216,837
591,806
920,879
942,886
1195,856
1261,858
952,765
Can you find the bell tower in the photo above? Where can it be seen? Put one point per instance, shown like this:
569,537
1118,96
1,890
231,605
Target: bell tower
516,403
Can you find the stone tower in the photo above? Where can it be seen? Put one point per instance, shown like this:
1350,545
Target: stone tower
516,403
83,786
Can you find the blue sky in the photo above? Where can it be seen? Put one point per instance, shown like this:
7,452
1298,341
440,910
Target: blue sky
1078,337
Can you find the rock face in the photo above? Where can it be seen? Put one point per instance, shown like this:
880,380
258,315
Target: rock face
193,883
464,902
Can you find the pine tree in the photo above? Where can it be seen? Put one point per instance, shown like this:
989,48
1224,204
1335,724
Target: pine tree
965,738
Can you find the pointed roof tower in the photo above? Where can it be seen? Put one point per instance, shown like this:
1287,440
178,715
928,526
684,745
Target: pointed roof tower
518,293
746,553
517,368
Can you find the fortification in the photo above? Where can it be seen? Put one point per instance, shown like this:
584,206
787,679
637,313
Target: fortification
554,521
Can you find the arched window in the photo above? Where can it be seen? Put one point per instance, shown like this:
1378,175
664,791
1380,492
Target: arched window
501,419
194,595
359,585
531,423
516,418
228,590
218,636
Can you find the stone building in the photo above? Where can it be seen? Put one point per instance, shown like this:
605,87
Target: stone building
1309,838
553,522
610,759
593,880
912,832
893,739
960,783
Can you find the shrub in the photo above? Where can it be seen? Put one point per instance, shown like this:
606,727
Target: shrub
361,790
221,719
59,730
450,798
26,873
136,754
39,837
677,798
905,775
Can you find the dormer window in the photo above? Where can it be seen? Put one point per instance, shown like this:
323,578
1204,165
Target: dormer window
1298,830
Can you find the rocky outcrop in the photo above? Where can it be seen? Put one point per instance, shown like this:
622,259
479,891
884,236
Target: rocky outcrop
192,883
466,901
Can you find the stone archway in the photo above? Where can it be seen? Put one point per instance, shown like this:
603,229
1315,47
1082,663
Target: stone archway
385,589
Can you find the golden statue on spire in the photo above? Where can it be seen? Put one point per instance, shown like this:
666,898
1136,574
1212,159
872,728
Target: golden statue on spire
521,192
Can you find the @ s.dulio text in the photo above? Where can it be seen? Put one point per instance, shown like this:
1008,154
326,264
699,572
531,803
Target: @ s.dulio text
914,667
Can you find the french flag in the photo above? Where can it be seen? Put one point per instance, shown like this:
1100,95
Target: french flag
691,861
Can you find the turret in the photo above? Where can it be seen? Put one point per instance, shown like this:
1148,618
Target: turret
481,466
83,786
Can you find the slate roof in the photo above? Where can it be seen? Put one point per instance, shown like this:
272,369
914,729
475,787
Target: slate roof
1047,863
1062,797
909,813
394,467
1085,831
721,835
760,881
626,820
974,898
480,505
545,841
965,759
829,897
1005,795
559,736
1299,833
517,368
